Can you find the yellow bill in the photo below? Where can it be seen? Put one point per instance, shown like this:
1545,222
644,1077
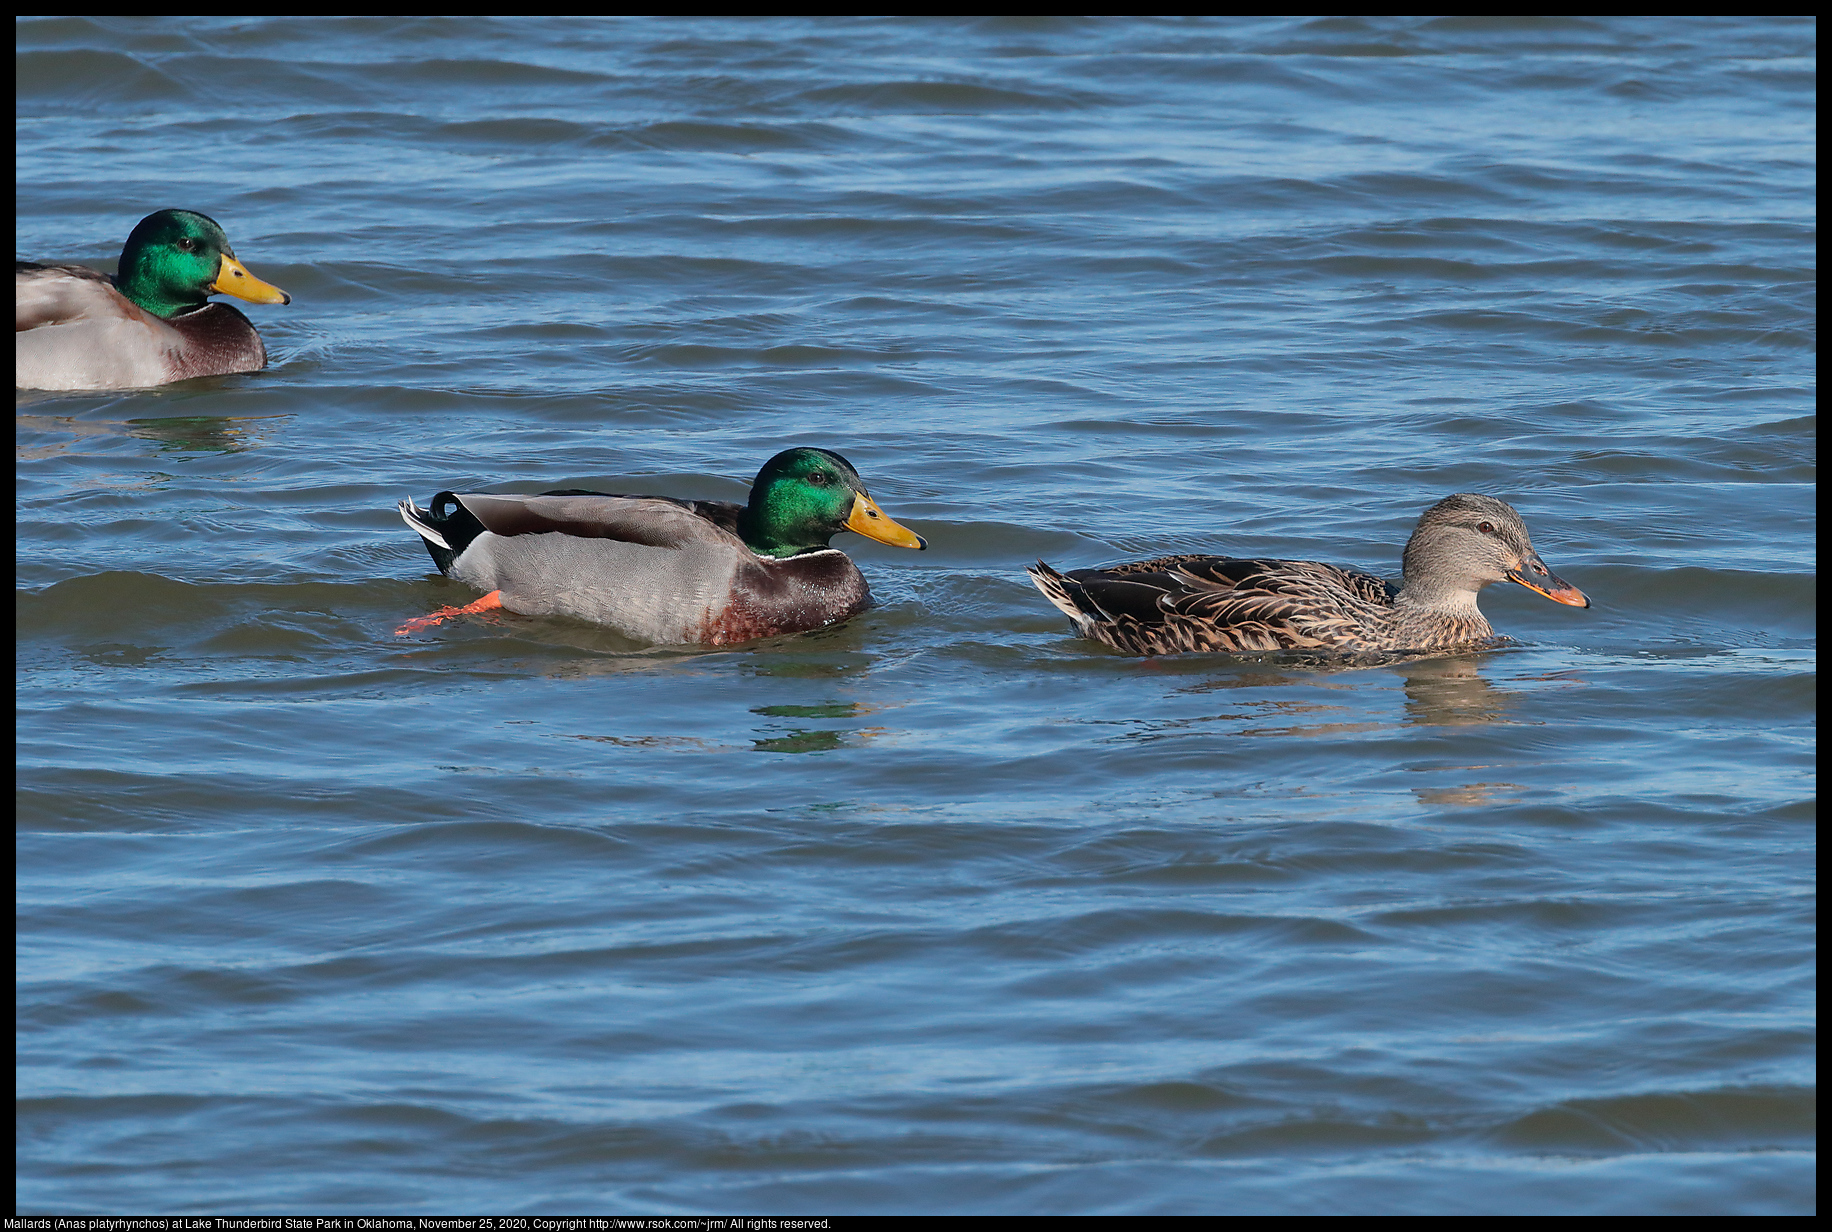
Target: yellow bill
872,522
234,279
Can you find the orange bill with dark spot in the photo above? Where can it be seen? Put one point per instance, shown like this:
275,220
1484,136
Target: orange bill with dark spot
1536,577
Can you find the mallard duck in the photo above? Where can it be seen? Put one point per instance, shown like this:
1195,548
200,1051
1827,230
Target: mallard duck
151,323
1174,604
662,570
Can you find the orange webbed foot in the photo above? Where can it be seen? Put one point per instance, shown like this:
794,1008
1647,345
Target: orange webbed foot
490,602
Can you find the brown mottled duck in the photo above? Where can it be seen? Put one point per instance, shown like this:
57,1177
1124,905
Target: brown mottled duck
1221,604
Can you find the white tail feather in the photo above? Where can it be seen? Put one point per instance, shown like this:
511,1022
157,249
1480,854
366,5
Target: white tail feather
411,514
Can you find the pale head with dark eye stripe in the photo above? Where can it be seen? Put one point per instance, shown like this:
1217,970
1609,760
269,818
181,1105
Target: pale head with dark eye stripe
804,497
1465,542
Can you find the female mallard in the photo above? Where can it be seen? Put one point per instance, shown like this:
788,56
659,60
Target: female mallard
1174,604
151,323
663,570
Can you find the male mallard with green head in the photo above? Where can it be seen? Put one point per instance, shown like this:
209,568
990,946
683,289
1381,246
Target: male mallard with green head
152,323
662,570
1176,604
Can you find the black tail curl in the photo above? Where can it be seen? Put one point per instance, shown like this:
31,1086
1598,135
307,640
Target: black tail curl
457,525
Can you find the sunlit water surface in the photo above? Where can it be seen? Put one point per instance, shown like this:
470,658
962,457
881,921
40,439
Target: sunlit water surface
943,910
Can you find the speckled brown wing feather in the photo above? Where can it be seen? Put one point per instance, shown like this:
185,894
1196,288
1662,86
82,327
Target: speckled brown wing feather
1313,579
1181,604
1237,620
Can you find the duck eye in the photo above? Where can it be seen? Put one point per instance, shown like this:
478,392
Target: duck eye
1487,528
188,245
820,479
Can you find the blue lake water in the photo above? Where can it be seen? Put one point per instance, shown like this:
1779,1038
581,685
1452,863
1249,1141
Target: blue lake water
943,910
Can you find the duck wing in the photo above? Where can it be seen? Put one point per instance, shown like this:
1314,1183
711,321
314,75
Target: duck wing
451,522
75,331
1299,578
653,521
50,294
1179,604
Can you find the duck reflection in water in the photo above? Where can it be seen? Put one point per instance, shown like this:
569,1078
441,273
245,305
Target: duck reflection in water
200,433
815,740
1453,693
1440,691
192,434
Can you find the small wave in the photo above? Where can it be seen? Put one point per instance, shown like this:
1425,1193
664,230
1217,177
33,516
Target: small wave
1747,1118
934,97
93,78
731,138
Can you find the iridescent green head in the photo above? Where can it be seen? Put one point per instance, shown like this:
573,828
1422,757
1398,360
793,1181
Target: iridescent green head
804,497
176,259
